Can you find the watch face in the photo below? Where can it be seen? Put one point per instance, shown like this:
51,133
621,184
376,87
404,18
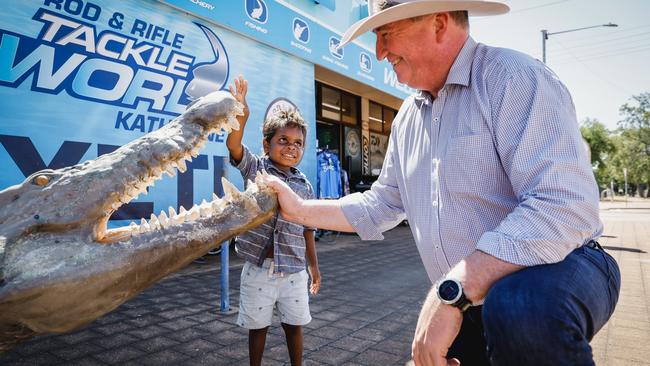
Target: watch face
449,291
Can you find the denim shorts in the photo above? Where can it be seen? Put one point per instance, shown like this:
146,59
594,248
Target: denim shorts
261,291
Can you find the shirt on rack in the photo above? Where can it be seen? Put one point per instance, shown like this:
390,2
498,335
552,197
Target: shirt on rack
329,175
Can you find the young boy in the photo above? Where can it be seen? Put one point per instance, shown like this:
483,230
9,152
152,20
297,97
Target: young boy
275,251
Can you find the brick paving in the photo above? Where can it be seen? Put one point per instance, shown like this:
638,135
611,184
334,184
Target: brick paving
365,314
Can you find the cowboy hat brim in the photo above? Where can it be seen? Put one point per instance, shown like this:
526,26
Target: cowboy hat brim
420,7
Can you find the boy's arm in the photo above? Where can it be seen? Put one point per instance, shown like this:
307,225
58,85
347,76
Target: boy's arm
312,261
233,142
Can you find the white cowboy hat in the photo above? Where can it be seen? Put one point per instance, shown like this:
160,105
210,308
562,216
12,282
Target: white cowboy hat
412,8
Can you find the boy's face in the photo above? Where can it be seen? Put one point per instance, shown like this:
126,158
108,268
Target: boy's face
286,147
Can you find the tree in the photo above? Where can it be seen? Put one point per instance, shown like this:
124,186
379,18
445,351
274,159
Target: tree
600,145
633,146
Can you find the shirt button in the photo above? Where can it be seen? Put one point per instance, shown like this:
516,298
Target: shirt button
435,119
276,231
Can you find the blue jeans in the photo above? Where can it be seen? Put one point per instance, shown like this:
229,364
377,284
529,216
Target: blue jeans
542,315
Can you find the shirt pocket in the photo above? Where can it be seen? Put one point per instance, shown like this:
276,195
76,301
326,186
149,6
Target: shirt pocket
468,163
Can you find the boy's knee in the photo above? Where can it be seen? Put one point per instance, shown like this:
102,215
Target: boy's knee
291,326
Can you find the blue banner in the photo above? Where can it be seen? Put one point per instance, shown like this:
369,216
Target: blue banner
79,79
278,24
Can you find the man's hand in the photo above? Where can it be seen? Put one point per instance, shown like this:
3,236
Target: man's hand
288,199
438,326
314,273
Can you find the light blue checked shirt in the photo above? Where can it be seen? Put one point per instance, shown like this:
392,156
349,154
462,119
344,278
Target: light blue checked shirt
495,163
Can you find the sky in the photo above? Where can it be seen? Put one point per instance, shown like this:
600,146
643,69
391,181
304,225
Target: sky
603,67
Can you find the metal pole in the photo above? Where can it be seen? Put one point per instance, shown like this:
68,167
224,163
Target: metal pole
546,33
225,278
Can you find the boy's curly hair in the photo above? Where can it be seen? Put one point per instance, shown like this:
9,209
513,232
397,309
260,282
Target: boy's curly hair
286,117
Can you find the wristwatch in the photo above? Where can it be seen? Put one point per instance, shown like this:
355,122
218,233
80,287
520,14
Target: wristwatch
450,292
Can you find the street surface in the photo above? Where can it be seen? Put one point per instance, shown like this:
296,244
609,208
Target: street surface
365,314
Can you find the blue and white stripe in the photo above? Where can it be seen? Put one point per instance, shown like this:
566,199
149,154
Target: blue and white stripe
286,237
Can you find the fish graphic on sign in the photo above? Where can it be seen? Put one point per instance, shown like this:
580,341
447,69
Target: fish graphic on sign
334,48
365,62
209,76
257,10
300,30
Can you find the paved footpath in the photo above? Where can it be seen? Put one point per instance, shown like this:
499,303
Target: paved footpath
625,340
365,314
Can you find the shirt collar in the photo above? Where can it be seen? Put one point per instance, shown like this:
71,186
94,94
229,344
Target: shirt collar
459,73
462,67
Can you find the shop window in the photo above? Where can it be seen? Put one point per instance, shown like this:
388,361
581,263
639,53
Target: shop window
349,110
375,120
380,120
336,105
330,104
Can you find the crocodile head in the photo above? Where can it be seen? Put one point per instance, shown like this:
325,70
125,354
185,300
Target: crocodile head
61,268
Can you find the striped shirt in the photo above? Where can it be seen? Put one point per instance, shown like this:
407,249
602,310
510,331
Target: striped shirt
286,237
495,162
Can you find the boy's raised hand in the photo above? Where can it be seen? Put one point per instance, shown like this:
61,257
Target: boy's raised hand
239,92
233,142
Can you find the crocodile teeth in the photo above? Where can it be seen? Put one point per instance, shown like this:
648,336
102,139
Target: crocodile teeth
205,211
164,221
144,226
170,171
194,213
217,205
230,191
172,212
181,166
153,222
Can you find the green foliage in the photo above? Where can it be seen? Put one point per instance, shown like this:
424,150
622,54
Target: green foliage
600,145
626,148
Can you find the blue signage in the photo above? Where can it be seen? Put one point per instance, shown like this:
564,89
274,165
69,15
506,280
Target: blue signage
365,62
300,30
300,35
78,82
257,10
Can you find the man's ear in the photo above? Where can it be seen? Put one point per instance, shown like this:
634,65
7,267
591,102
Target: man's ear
440,23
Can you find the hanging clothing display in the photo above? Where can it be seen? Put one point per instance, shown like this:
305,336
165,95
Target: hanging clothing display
345,180
328,175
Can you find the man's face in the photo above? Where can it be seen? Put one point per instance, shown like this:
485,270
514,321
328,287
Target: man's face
408,45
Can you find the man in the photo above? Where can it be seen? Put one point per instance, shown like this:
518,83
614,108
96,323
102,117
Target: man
487,164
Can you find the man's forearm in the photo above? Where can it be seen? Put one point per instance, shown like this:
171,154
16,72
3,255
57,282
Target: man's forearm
323,214
478,272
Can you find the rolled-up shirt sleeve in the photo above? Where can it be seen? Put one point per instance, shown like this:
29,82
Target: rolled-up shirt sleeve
378,209
542,152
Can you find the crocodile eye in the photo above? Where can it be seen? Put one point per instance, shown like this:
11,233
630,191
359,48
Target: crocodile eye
41,180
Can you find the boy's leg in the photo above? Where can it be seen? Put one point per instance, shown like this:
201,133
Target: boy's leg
256,342
294,343
546,315
293,305
256,301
